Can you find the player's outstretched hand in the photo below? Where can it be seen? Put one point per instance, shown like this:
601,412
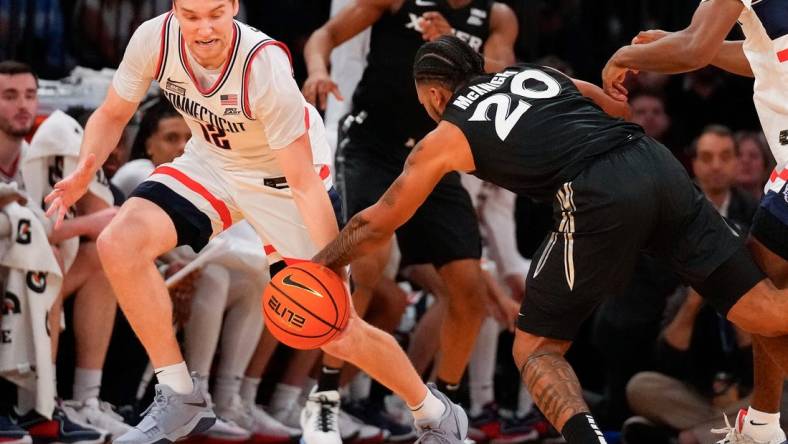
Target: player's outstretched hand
316,89
651,35
69,190
434,25
613,76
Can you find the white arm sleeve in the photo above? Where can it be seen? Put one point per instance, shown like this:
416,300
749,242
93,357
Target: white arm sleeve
136,70
275,98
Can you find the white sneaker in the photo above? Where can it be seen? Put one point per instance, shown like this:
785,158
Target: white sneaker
736,434
226,431
257,421
320,418
97,414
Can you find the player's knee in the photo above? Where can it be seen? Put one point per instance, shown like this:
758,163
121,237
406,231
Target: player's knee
761,311
348,340
764,323
527,346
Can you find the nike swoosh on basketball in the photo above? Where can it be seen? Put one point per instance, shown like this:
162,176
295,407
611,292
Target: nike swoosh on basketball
288,280
758,423
424,3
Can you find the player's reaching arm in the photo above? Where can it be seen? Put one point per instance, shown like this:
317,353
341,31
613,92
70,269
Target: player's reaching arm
355,17
687,50
499,47
308,191
440,152
107,123
730,57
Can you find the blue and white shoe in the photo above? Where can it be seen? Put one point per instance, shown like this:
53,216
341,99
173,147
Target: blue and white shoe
172,416
11,433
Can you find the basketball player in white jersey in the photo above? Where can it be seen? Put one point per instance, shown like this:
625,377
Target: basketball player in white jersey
763,55
249,158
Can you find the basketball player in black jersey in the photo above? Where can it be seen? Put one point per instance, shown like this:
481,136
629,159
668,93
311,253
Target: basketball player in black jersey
387,121
615,192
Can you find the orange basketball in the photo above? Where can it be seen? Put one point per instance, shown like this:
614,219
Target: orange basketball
306,305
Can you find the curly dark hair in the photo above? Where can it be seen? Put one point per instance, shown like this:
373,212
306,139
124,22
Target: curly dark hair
447,61
158,109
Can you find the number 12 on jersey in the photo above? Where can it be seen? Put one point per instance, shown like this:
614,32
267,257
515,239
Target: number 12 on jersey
215,135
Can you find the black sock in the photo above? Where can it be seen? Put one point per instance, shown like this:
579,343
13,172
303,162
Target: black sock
329,379
377,394
452,391
582,429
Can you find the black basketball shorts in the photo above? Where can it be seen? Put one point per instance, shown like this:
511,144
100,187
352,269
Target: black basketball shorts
634,198
444,229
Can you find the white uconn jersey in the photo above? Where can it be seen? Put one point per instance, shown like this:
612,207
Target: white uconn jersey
765,25
220,116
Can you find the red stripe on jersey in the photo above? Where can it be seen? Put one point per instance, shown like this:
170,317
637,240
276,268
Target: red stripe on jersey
306,118
218,205
219,79
164,36
782,56
782,175
246,106
269,249
324,172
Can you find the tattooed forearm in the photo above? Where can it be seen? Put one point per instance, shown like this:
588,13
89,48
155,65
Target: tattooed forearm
554,387
343,249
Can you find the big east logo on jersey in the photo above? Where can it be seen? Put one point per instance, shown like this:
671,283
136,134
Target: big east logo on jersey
472,40
291,317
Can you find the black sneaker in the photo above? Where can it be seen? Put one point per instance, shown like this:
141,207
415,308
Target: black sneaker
60,429
11,433
376,416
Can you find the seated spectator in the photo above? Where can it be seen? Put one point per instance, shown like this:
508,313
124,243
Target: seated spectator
715,164
35,168
755,162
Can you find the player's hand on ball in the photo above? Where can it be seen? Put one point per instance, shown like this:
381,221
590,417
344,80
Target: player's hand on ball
434,25
69,190
316,89
651,35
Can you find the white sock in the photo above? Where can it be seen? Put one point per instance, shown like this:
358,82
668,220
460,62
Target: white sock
430,409
481,368
249,388
284,397
761,426
225,388
87,383
176,377
525,402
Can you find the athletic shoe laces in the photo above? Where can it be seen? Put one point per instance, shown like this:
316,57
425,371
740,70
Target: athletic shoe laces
157,406
434,436
326,421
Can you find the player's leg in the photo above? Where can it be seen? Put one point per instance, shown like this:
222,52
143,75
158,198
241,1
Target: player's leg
372,350
425,340
444,231
182,203
464,315
768,377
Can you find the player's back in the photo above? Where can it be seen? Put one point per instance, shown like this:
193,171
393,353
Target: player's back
530,129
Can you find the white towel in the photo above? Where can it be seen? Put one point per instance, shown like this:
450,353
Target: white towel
34,281
52,155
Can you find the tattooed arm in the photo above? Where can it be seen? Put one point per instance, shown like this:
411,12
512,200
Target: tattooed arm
434,156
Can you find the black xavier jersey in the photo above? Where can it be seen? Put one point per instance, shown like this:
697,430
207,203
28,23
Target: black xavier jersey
530,130
386,91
